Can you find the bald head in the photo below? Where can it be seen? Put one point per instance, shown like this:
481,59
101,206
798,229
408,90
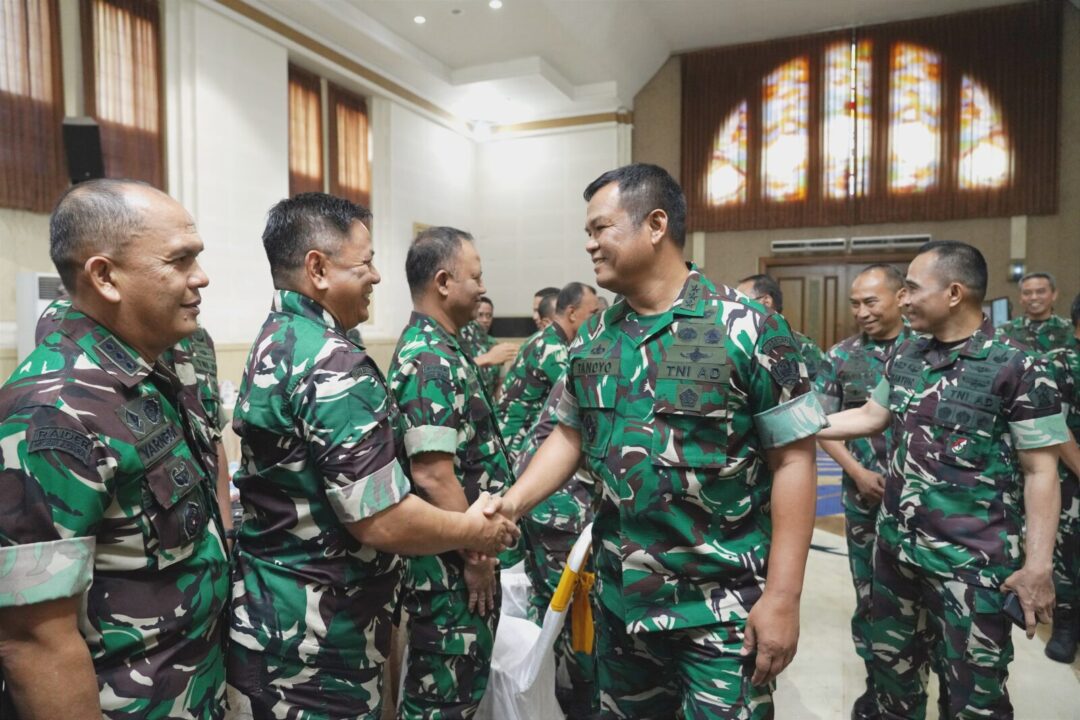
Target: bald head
98,217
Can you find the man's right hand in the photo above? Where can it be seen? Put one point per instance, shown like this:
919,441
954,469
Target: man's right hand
871,485
501,353
491,532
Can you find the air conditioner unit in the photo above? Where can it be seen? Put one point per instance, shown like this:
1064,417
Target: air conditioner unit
886,243
34,292
821,245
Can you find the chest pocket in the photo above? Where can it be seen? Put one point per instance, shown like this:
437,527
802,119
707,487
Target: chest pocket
596,387
857,381
965,416
176,508
690,424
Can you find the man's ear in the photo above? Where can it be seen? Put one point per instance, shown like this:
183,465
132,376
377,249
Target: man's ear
957,293
101,278
442,282
316,267
658,222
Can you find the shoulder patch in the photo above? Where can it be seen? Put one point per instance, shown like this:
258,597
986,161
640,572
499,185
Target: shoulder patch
63,440
363,369
785,372
775,342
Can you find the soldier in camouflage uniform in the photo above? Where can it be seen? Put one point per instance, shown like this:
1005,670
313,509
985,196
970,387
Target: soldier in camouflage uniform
455,454
478,344
1038,328
852,369
111,545
540,363
766,291
194,362
679,399
327,502
539,316
970,506
1064,363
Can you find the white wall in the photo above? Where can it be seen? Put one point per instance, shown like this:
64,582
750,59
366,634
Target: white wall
424,173
228,155
531,216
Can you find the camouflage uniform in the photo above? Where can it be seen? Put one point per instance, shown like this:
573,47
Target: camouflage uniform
447,410
1043,336
108,490
475,341
548,533
1064,364
539,364
675,413
949,529
312,606
850,371
813,357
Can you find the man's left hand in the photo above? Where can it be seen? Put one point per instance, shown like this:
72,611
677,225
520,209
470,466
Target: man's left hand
1035,590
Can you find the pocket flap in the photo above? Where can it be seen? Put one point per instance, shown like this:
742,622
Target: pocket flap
455,641
171,479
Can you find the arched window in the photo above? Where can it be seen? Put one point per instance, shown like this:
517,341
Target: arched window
727,168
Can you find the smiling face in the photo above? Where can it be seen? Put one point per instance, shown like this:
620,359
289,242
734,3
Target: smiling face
929,300
621,253
157,274
875,303
1037,298
464,285
351,277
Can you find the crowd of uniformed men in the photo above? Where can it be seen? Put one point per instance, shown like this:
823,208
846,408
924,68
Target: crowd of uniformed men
681,421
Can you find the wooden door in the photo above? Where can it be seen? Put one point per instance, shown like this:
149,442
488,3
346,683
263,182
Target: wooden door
816,293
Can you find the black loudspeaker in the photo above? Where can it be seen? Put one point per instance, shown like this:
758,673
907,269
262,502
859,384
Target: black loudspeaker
82,144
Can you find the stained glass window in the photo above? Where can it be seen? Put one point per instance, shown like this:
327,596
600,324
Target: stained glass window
785,146
727,168
915,118
985,155
847,119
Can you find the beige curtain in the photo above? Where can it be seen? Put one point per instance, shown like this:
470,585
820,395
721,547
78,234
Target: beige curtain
32,167
305,132
122,70
350,170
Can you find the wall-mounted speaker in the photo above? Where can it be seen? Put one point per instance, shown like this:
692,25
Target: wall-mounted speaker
82,144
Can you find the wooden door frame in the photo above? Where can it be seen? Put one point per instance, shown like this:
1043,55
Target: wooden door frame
764,263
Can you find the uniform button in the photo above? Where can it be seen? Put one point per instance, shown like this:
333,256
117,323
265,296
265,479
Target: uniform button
193,519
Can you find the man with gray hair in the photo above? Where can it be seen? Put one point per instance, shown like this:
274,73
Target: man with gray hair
111,543
327,501
455,454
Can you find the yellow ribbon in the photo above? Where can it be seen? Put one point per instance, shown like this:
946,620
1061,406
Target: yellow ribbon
581,618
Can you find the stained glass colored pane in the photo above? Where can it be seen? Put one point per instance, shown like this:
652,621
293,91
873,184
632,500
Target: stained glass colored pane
785,146
847,119
726,181
915,118
985,153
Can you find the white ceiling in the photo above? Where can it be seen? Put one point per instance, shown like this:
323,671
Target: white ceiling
539,59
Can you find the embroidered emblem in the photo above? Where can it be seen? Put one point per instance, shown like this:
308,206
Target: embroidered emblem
63,440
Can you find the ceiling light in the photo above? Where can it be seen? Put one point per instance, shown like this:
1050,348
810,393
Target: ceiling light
495,4
419,19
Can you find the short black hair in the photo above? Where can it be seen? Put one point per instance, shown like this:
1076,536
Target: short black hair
571,296
960,263
644,188
433,249
305,222
486,299
546,308
1039,276
767,285
893,277
1075,310
89,218
546,291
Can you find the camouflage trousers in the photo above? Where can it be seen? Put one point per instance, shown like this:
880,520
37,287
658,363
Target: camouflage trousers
652,676
1067,547
921,620
449,654
861,534
547,552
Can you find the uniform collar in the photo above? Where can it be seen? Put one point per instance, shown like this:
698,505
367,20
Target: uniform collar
108,351
424,321
294,303
975,347
904,334
555,329
690,302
